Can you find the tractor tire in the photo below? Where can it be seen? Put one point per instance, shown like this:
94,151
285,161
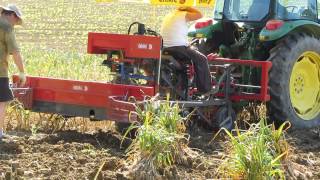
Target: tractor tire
295,81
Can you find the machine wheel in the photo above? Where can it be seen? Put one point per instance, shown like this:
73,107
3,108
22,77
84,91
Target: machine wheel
295,81
223,120
175,81
122,128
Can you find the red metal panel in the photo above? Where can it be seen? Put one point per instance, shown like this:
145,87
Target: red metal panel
265,67
133,46
92,94
144,47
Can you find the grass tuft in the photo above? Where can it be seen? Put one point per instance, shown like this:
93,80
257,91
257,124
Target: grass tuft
160,141
256,153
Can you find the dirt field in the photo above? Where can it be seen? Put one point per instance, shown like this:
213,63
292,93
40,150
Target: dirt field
63,26
74,155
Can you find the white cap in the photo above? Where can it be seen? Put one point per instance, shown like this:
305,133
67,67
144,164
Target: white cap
13,8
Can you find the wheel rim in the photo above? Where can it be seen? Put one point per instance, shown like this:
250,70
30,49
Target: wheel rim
223,120
305,85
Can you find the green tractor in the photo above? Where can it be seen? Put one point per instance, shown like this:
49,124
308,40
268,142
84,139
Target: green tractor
285,32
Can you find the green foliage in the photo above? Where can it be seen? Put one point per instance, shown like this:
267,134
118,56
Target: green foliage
256,153
34,129
67,65
64,25
160,136
17,113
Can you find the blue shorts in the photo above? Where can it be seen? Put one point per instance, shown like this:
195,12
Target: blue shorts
5,91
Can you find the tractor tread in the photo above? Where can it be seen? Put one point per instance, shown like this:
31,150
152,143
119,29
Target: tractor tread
282,56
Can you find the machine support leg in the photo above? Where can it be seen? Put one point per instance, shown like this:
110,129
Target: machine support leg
227,90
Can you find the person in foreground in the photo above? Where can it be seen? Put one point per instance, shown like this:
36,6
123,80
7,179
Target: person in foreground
10,17
174,31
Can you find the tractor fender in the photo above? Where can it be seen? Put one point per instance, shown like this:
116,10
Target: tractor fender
289,27
205,32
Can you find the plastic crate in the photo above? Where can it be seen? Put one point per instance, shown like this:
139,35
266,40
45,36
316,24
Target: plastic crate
24,95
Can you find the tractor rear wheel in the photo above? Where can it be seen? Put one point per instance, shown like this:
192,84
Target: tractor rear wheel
295,81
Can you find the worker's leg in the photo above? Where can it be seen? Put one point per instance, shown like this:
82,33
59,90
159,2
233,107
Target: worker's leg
203,77
5,96
2,116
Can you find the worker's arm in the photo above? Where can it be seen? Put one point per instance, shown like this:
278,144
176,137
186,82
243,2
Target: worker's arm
192,13
14,50
18,61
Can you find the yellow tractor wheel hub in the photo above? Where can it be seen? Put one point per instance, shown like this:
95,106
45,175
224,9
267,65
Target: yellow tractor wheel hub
305,85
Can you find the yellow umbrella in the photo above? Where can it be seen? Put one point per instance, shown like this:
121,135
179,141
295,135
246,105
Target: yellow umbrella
101,1
173,2
203,3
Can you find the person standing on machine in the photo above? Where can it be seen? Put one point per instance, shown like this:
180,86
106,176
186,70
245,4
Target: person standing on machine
174,32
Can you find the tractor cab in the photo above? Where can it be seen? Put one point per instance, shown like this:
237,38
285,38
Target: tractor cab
260,11
241,28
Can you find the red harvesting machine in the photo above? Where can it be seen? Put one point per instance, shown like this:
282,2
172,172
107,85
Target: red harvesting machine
141,69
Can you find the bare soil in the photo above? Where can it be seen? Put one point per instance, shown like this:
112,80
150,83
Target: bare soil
75,155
